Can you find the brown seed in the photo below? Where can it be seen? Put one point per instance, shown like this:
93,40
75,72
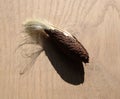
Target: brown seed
69,45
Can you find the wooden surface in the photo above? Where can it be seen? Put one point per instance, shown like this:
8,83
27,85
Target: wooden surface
96,23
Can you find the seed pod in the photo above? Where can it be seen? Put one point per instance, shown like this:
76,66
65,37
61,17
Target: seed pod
66,42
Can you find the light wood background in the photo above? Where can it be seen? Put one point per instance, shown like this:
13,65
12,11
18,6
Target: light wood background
96,23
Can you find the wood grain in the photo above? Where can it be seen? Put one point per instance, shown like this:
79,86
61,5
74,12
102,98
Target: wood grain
94,22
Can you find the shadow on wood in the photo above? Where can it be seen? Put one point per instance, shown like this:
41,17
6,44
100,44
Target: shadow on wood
69,70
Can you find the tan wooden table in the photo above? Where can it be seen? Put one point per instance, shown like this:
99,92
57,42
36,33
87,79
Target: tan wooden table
96,24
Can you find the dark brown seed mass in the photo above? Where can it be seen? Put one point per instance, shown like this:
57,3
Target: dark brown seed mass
69,45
